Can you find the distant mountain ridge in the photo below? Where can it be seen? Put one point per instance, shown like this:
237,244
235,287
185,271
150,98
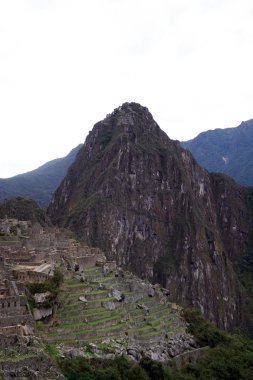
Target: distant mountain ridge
229,151
40,183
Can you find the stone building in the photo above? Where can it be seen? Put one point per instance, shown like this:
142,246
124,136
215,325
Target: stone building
14,310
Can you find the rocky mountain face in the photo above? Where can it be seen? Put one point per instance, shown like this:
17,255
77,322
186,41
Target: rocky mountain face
146,202
40,183
228,151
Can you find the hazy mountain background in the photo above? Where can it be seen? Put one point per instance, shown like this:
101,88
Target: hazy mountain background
229,151
40,183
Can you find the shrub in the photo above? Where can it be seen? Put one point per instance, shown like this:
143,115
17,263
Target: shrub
155,370
52,284
76,368
107,374
52,350
205,331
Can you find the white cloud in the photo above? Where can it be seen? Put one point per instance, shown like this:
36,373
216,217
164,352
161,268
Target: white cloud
65,64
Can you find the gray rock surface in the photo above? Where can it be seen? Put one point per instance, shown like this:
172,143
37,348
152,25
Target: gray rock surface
108,305
42,313
83,299
41,297
117,295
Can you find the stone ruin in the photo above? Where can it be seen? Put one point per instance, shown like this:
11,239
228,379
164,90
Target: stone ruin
14,227
16,318
30,253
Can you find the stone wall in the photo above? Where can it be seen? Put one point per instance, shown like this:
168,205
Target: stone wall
12,330
7,341
42,243
16,252
63,244
9,305
14,309
87,261
11,243
12,320
30,276
13,305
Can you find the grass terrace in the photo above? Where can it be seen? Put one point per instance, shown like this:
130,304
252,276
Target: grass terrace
102,316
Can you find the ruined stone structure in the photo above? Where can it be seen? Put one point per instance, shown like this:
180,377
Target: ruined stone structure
30,276
13,227
32,259
14,310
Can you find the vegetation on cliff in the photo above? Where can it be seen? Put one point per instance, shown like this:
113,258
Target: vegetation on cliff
23,208
51,285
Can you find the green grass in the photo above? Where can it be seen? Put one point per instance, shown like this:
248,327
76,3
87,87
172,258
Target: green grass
84,315
106,328
69,295
82,309
80,303
16,358
83,341
52,351
96,321
66,310
97,291
150,334
102,323
91,269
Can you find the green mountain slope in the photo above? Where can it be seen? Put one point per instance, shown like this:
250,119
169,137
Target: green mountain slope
229,151
23,208
40,183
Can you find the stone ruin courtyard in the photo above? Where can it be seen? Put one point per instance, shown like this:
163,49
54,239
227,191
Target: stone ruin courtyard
101,310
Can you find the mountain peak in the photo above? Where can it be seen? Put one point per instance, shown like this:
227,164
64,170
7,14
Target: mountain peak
146,203
130,123
130,107
131,114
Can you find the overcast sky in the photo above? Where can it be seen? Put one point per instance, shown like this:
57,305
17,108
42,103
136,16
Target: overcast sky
65,64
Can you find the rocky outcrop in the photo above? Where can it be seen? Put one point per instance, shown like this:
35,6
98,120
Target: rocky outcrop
145,201
42,313
40,298
161,351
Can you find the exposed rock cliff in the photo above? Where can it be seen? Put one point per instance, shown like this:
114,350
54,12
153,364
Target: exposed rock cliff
146,202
